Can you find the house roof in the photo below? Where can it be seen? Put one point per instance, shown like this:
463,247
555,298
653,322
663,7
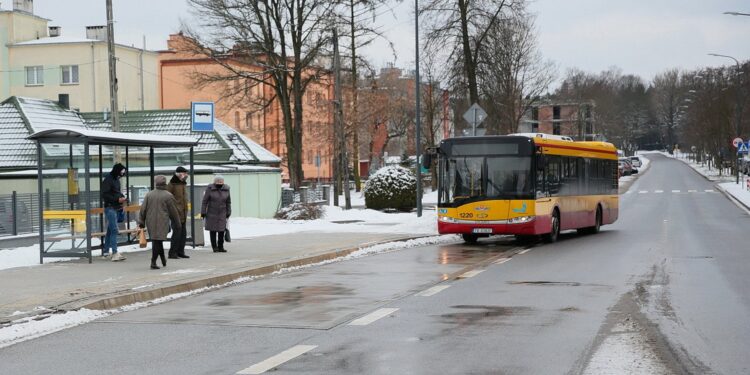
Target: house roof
177,122
21,117
64,39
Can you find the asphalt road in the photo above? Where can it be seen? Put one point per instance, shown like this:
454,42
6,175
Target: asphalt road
662,291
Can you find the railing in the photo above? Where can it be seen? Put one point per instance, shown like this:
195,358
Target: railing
317,194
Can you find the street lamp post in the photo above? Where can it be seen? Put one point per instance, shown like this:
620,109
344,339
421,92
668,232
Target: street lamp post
418,119
738,109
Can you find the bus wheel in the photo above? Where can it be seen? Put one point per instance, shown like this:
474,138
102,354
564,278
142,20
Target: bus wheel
554,228
470,238
597,224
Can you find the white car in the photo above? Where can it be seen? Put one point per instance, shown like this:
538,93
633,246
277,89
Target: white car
636,161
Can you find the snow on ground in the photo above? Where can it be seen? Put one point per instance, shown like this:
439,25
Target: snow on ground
724,179
29,327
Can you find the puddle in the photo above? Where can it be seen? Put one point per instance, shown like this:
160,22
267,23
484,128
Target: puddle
297,297
462,255
482,314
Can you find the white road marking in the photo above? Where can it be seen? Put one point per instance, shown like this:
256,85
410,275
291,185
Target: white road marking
501,261
278,359
659,191
433,291
643,192
692,191
710,191
469,274
524,251
675,191
373,316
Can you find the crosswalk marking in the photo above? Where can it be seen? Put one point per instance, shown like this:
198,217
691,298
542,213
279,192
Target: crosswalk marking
691,191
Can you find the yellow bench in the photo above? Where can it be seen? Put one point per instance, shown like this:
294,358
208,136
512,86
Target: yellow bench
78,222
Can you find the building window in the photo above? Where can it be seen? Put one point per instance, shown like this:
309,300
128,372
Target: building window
556,112
34,76
556,128
248,121
237,120
260,121
69,74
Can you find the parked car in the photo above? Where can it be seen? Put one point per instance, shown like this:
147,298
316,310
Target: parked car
627,167
636,161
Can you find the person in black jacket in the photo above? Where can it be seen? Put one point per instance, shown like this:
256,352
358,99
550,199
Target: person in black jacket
113,200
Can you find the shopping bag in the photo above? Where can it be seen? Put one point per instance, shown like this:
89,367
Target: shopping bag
227,237
142,238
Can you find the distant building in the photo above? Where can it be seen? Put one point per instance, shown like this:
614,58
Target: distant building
575,120
264,125
38,60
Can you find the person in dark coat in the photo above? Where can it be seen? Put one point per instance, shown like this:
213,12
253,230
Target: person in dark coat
177,188
215,210
113,200
158,211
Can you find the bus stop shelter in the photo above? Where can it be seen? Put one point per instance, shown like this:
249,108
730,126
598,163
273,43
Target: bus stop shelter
69,233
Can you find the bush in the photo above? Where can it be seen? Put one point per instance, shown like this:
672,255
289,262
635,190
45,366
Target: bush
391,187
300,211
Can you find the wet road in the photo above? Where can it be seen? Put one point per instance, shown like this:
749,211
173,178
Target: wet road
664,290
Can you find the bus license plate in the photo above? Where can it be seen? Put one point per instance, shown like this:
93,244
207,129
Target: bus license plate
482,230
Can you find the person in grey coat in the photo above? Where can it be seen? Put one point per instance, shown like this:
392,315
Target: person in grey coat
215,210
158,210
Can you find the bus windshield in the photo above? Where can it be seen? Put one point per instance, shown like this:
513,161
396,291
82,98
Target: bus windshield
473,178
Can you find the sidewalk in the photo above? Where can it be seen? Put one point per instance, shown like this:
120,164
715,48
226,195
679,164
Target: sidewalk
65,286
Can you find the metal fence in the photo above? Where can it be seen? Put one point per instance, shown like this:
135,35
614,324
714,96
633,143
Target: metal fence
19,212
317,194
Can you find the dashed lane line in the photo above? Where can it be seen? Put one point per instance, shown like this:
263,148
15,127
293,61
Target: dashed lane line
433,291
469,274
658,191
501,261
373,316
643,192
675,191
278,359
692,191
524,251
710,191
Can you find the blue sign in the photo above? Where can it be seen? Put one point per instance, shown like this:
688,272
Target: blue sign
202,117
743,148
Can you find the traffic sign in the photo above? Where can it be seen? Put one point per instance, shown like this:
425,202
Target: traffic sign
736,142
743,148
474,116
202,117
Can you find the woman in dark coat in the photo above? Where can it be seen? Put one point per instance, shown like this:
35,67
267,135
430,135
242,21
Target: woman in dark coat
215,210
158,210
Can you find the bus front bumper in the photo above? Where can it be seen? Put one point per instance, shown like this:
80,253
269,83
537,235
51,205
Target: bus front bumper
535,225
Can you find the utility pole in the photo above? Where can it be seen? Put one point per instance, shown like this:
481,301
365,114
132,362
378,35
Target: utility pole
418,119
112,74
339,122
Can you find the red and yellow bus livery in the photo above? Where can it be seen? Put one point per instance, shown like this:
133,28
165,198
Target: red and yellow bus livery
525,185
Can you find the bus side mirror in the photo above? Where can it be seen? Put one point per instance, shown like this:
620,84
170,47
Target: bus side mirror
426,160
541,162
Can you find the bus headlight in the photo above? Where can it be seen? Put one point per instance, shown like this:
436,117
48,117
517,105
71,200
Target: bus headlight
520,220
448,219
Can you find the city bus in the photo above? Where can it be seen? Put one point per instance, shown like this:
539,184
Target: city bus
525,185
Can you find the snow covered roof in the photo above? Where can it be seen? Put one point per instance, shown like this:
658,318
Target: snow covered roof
112,138
21,117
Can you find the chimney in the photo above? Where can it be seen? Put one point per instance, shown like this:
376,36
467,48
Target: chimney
54,31
96,33
26,6
64,100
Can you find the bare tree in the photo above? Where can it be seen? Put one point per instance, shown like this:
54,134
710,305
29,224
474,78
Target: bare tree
667,95
514,73
284,38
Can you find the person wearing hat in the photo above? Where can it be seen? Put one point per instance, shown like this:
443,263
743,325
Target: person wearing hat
177,186
113,199
216,209
158,212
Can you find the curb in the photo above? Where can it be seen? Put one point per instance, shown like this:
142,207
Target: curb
734,200
217,282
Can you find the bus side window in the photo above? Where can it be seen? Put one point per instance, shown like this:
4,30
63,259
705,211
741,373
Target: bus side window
552,173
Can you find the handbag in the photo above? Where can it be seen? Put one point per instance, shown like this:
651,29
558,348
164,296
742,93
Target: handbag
142,238
121,215
227,236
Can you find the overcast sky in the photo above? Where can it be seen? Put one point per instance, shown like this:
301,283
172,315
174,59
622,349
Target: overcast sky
642,37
